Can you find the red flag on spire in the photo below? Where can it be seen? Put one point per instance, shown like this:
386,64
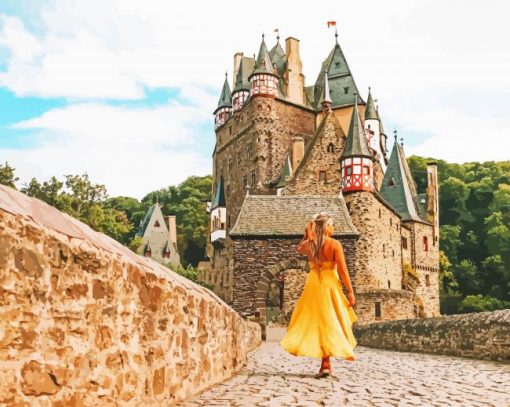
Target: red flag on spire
331,24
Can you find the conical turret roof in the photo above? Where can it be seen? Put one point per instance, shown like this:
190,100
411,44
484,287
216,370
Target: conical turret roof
225,97
278,58
263,64
398,186
356,142
285,173
245,69
325,95
370,110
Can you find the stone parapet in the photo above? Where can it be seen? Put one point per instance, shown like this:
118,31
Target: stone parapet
84,321
481,335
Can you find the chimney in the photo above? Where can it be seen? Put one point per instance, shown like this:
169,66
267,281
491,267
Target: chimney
293,73
433,198
298,150
237,62
172,229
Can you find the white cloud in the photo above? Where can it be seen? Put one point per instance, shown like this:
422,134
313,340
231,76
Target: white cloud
413,54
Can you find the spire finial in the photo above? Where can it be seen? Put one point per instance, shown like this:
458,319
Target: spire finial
263,36
395,134
336,34
226,74
369,89
402,141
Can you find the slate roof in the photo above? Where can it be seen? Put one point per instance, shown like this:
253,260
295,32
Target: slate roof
370,110
278,58
146,220
398,186
225,97
287,215
356,142
219,196
246,67
341,82
285,173
263,64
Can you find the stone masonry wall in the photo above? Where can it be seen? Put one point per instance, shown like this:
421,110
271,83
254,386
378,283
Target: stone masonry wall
482,335
324,156
426,264
84,321
394,304
254,256
378,255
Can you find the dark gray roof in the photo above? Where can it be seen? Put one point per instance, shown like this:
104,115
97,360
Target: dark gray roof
146,220
246,66
370,111
285,173
356,142
225,97
278,58
219,196
287,215
398,186
263,64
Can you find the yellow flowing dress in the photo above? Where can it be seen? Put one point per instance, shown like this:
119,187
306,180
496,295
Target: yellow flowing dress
321,323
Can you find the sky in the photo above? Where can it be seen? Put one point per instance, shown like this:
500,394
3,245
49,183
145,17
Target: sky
124,90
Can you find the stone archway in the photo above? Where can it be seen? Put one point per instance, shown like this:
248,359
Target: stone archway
292,269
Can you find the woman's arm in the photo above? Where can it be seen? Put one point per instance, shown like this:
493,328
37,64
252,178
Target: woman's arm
303,246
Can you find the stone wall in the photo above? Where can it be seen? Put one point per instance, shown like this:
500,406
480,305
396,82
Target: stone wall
378,249
84,321
482,335
255,260
393,304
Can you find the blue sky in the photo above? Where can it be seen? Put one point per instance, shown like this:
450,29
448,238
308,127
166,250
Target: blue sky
125,90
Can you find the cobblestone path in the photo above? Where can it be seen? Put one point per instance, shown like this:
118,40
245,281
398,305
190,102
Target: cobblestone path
273,377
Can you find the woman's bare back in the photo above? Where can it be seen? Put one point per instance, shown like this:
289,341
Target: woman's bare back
326,254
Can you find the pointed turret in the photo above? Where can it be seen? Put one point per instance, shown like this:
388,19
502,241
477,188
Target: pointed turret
218,213
370,110
263,80
284,175
242,84
357,161
326,101
278,58
341,82
373,132
398,186
224,108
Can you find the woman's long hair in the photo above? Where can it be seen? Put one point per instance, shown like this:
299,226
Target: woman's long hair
316,235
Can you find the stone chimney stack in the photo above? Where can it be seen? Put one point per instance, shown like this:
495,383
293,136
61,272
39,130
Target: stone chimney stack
237,62
433,198
172,229
293,74
298,150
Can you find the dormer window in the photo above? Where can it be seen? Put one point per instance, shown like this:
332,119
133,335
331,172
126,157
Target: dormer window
346,90
156,224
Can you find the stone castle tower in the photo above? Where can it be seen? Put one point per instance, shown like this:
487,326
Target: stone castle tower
285,151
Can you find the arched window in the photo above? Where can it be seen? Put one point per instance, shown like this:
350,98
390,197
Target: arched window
427,280
156,224
425,243
331,148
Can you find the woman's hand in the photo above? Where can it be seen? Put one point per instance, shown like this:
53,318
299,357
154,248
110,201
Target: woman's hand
352,300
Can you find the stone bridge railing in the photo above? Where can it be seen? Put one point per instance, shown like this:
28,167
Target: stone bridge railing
84,321
481,335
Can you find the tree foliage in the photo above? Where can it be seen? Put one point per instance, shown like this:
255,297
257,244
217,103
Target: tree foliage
7,176
474,216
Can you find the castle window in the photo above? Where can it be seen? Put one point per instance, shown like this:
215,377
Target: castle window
378,310
322,175
252,181
425,243
366,169
249,151
389,284
245,181
348,170
397,226
156,224
230,163
238,158
427,280
379,212
393,252
346,90
391,222
384,247
404,242
229,129
348,204
228,190
331,148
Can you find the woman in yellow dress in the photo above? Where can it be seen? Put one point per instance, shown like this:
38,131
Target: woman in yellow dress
321,323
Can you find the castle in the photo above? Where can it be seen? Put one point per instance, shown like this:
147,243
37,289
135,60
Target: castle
159,236
284,152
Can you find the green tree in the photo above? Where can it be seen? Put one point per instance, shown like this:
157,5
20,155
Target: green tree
7,176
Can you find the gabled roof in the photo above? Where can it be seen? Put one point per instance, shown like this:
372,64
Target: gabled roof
370,110
225,97
219,196
285,173
246,67
398,186
263,64
356,143
341,81
278,58
287,215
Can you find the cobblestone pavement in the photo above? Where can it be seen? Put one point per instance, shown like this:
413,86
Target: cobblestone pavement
273,377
